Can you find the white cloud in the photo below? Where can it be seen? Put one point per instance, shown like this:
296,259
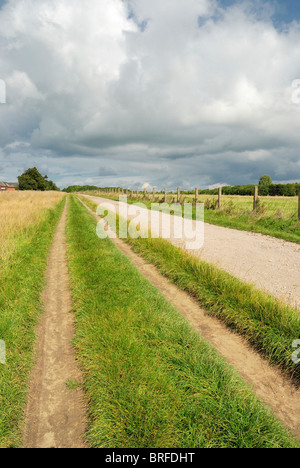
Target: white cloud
149,91
216,186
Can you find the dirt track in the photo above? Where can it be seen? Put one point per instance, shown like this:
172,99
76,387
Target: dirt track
55,415
274,389
270,264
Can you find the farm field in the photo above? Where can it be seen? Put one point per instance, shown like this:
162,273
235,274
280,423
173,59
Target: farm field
28,223
20,211
276,216
149,227
151,380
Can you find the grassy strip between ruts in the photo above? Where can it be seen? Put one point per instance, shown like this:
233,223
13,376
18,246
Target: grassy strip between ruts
21,284
269,325
151,380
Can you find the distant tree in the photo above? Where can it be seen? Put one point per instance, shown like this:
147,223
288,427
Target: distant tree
265,180
32,179
51,186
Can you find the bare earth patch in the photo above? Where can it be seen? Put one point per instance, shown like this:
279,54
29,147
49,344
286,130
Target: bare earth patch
55,414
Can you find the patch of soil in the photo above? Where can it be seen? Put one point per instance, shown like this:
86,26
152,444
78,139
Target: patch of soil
55,415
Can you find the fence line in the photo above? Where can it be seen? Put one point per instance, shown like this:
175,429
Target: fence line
255,200
220,198
138,194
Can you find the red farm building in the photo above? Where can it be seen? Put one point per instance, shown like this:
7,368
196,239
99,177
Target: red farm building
8,186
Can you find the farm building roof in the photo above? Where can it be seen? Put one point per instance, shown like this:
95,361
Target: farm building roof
9,184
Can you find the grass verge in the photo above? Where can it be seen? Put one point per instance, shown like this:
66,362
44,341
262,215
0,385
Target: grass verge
22,281
151,380
269,325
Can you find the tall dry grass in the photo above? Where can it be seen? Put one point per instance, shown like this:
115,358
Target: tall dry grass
18,212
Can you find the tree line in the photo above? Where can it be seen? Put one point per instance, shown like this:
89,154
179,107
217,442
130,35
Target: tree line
273,190
80,188
32,179
265,188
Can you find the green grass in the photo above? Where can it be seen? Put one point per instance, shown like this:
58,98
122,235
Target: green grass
269,325
150,379
276,217
22,281
73,384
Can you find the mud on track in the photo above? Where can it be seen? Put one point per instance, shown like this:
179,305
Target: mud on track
55,415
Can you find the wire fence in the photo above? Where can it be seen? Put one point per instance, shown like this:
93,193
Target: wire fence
278,206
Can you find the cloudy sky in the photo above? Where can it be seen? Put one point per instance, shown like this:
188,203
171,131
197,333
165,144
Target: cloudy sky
161,92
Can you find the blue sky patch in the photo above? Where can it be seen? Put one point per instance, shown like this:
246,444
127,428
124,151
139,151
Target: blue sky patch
285,11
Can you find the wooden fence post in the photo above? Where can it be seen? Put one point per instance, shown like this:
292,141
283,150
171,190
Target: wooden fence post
178,194
196,195
220,198
255,198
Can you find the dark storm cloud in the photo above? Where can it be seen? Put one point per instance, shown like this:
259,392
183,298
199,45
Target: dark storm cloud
107,172
160,93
